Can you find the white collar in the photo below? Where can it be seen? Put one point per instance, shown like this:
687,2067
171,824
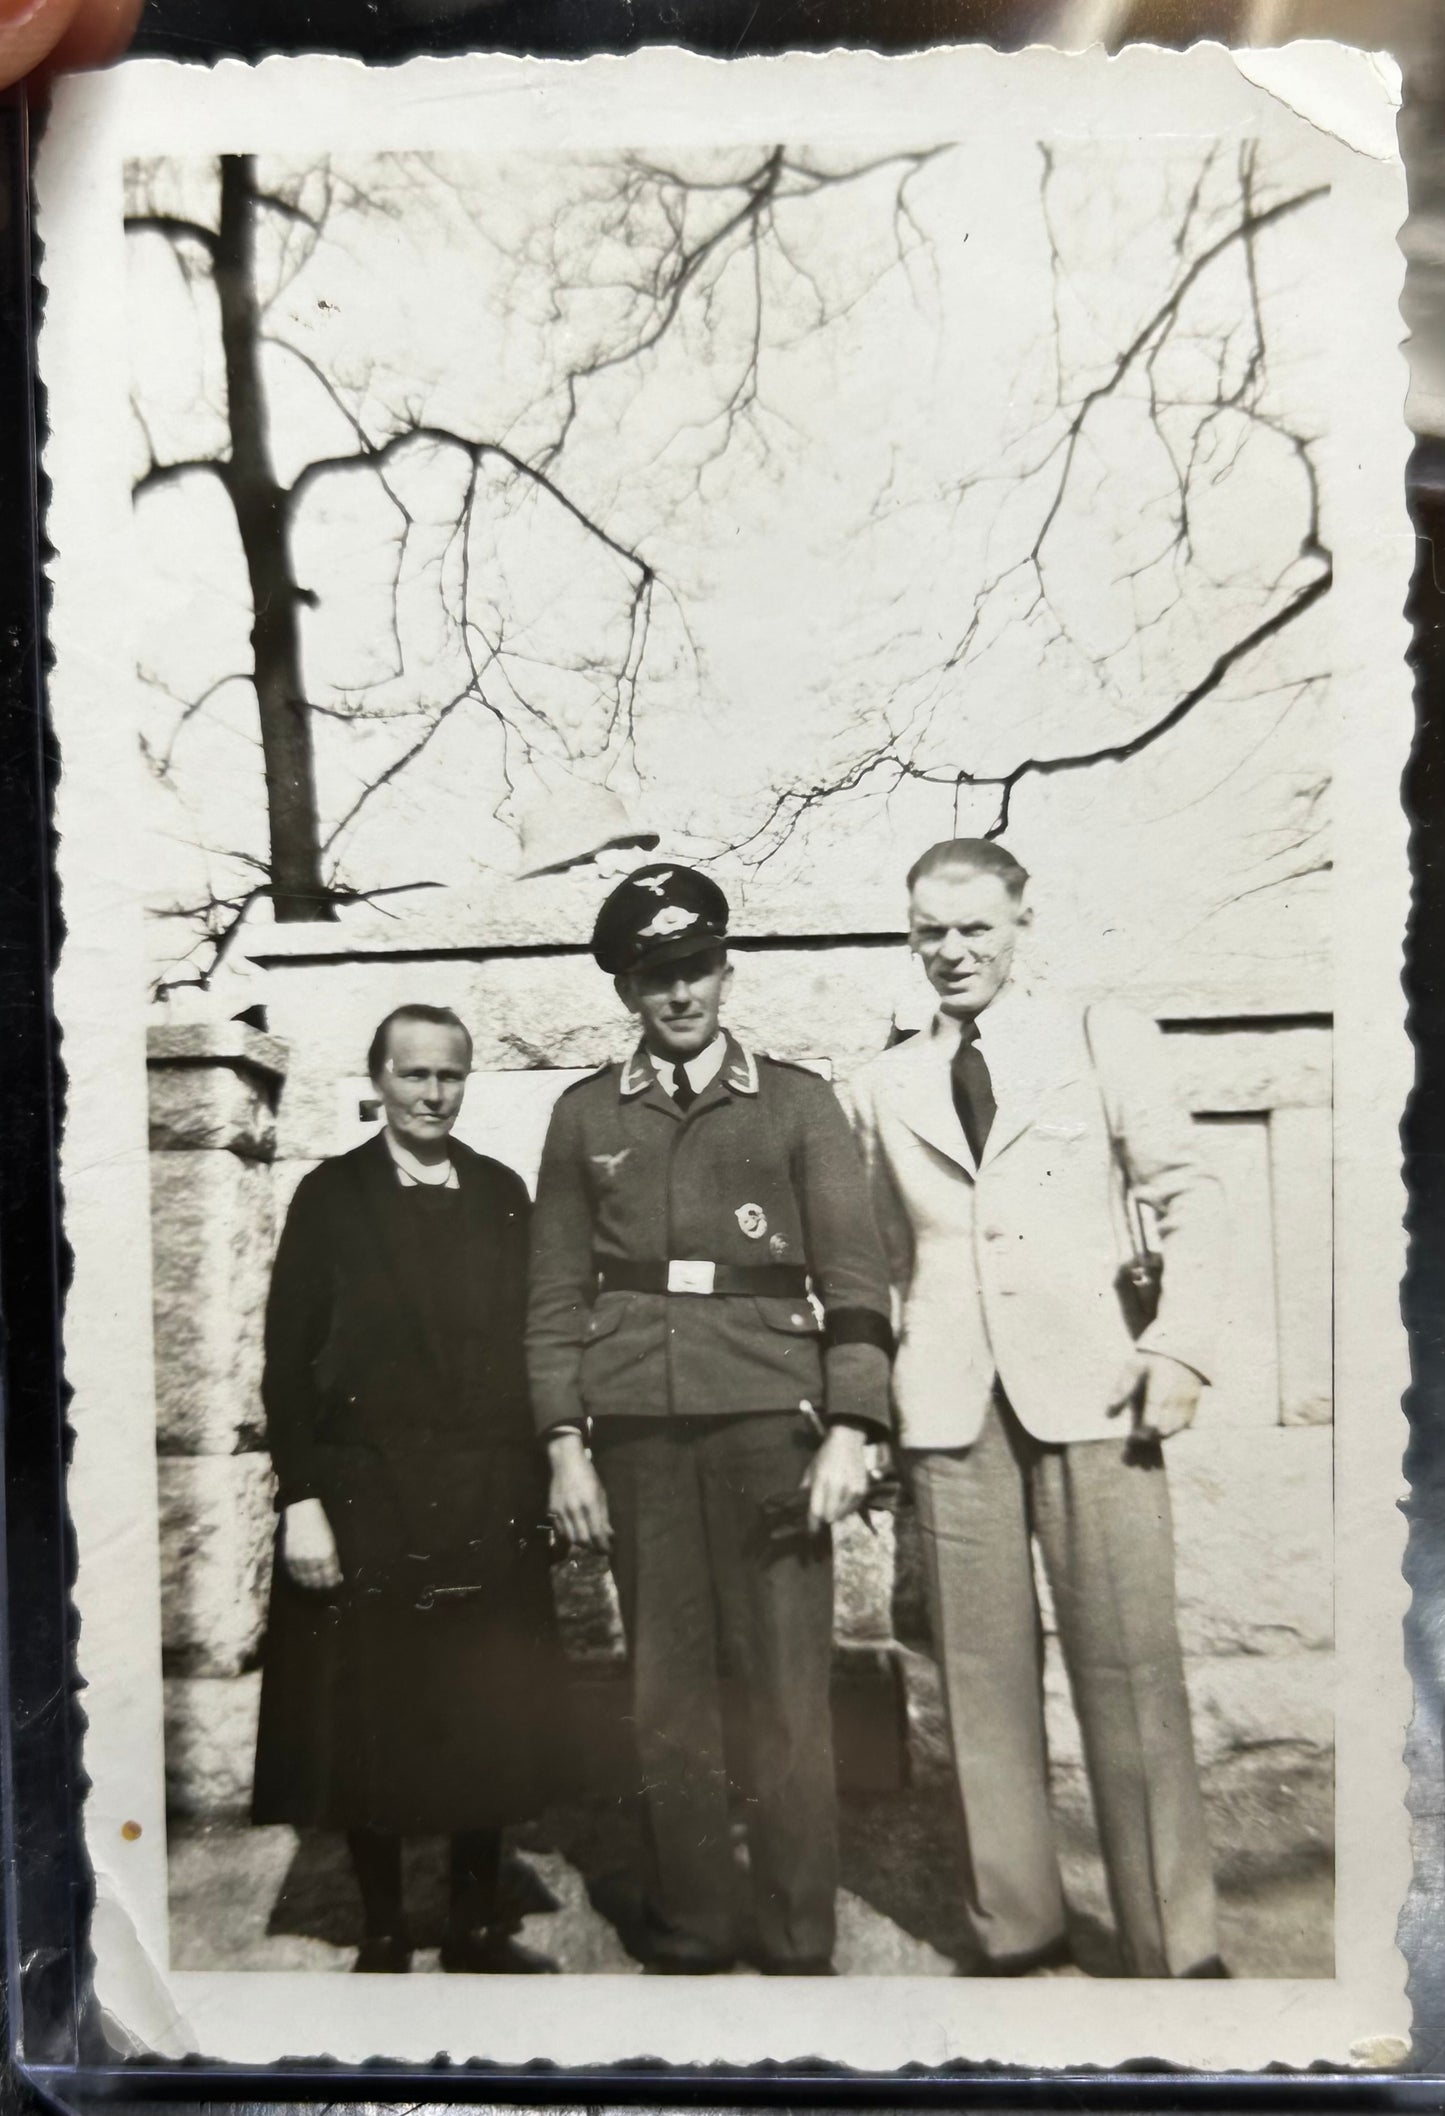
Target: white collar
701,1071
415,1174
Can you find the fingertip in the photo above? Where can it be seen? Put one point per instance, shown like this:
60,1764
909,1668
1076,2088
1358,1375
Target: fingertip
52,36
30,34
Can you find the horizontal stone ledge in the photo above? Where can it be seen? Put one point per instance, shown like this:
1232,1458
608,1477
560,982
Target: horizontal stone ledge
204,1043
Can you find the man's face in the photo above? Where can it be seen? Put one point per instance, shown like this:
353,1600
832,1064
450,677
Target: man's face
964,926
678,1003
421,1083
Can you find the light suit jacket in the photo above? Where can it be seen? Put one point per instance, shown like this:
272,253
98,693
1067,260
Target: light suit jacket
1007,1269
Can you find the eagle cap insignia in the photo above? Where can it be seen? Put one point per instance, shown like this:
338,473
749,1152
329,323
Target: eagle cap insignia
753,1221
672,918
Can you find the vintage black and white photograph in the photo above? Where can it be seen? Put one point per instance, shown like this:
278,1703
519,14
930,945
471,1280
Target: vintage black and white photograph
750,909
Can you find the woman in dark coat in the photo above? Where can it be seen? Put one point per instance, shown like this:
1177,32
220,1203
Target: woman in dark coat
412,1676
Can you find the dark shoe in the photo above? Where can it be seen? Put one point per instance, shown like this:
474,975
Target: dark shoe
492,1951
1056,1955
801,1965
383,1954
1214,1966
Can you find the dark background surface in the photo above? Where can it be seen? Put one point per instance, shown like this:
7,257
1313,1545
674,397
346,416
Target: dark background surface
42,1785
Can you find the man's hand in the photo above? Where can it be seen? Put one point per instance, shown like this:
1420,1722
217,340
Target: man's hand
576,1500
1162,1392
836,1480
308,1546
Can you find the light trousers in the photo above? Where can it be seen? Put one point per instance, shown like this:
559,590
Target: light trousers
1100,1512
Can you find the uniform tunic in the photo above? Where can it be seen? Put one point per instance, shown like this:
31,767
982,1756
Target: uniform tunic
762,1170
424,1694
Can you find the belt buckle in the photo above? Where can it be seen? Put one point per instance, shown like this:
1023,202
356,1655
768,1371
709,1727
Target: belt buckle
690,1275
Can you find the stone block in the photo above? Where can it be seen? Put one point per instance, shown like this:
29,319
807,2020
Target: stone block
1254,1536
211,1743
1238,1704
863,1567
215,1107
1301,1143
1246,1703
212,1241
555,1011
1264,1068
1253,1516
216,1530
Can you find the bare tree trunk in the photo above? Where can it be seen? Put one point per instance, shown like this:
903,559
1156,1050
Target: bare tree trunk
297,890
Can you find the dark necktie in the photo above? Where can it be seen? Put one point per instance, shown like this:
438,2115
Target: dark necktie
973,1090
684,1094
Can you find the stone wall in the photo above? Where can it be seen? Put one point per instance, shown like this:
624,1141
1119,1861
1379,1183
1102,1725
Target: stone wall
1252,1485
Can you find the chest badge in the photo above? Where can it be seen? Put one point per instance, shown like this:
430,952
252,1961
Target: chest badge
610,1163
778,1246
753,1221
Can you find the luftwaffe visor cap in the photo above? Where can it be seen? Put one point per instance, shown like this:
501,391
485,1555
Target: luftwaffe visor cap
659,914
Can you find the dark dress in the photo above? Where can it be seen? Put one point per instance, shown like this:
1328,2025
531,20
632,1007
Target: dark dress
425,1695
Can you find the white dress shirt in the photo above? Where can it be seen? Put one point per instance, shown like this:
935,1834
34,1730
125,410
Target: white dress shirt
700,1071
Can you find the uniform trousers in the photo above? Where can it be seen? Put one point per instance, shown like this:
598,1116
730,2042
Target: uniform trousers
726,1629
1100,1512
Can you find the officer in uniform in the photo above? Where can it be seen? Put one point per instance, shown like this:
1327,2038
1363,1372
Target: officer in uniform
697,1208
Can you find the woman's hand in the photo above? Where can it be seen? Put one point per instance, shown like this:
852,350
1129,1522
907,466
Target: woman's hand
576,1500
307,1545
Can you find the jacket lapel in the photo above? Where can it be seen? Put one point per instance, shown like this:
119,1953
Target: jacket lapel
1028,1052
923,1096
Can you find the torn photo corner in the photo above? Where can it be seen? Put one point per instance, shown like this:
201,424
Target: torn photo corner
476,479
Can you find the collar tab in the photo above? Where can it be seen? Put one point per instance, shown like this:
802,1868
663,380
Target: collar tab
739,1069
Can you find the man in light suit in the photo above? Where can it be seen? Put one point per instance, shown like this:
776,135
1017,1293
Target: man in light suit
1000,1144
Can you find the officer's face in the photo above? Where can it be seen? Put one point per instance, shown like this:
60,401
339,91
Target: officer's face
678,1003
964,926
421,1083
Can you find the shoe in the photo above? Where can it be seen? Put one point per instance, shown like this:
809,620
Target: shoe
800,1965
492,1951
1057,1954
1213,1966
383,1954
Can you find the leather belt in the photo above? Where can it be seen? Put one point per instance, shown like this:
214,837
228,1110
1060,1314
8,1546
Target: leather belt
696,1275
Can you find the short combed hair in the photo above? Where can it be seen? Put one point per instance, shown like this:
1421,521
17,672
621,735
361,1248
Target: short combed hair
436,1017
970,856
